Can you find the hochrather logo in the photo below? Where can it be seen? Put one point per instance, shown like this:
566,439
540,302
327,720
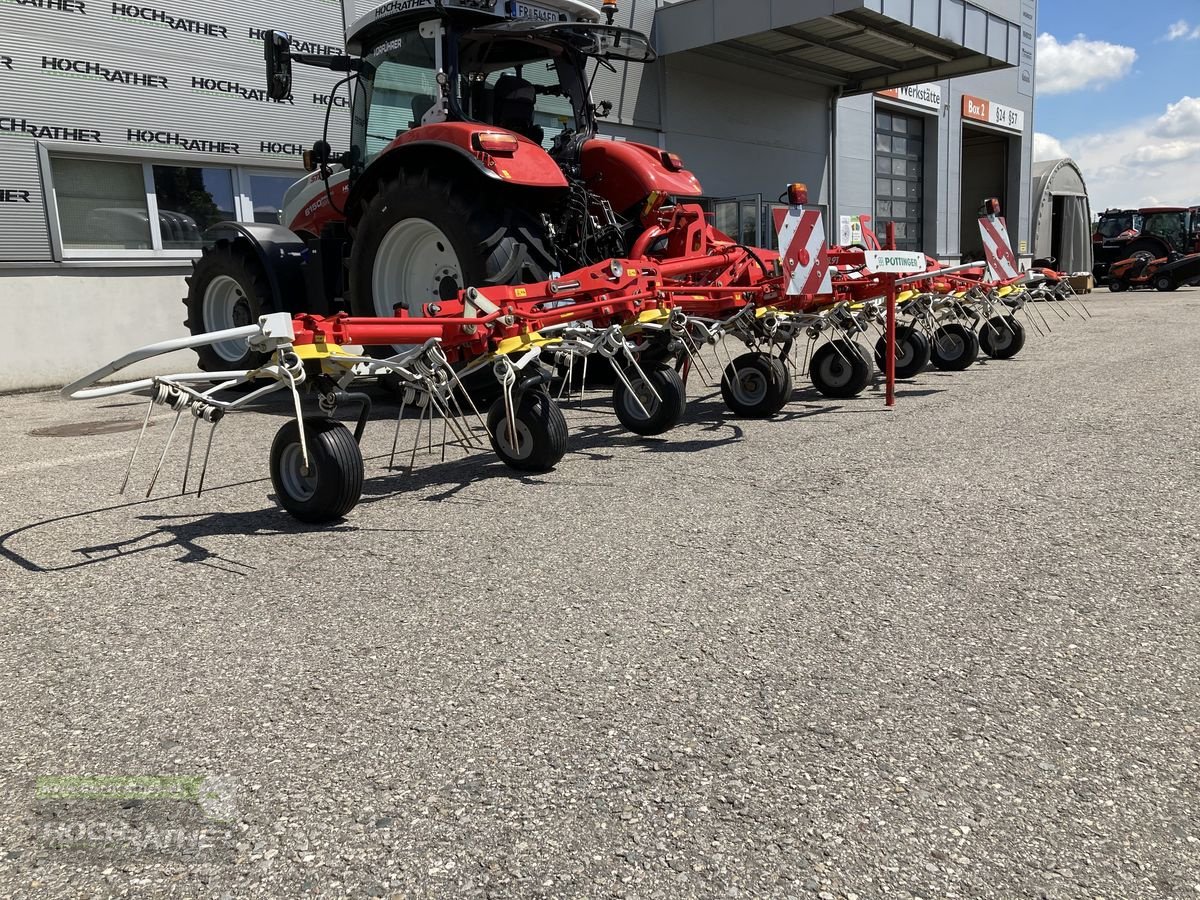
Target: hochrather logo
74,7
175,23
276,148
94,70
323,100
175,139
14,196
298,46
234,89
49,132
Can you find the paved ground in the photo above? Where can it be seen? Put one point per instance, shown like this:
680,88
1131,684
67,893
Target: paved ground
945,651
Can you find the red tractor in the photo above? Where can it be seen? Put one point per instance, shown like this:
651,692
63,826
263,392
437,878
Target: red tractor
474,160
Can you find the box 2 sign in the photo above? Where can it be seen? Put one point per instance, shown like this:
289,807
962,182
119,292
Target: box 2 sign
981,110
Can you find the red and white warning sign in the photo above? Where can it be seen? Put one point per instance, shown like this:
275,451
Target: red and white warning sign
803,251
1002,262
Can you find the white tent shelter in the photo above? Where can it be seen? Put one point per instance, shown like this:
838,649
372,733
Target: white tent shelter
1062,216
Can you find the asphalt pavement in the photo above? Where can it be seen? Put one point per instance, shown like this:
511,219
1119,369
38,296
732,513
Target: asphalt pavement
946,650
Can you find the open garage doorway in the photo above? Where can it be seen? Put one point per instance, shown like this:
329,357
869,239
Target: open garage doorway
986,157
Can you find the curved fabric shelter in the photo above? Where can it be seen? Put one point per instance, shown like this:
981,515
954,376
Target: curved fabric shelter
1062,215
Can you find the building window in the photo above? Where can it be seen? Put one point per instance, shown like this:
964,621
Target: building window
190,200
102,205
899,177
266,196
105,208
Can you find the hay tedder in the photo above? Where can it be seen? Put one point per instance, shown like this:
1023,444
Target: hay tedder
431,257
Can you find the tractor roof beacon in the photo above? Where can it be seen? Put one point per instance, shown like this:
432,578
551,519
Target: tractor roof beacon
474,161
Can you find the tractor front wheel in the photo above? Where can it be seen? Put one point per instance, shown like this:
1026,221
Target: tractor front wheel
664,411
423,238
537,438
331,484
227,289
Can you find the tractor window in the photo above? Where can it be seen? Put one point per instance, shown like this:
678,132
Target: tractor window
1168,225
397,88
527,99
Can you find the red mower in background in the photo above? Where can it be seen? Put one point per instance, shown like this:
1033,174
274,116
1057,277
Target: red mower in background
1167,273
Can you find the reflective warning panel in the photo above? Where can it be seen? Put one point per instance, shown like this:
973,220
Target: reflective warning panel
1002,262
803,251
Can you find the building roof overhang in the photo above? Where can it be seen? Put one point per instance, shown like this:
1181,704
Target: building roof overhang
855,45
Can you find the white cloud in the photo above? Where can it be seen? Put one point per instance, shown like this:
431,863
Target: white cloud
1063,68
1171,151
1181,30
1133,166
1181,119
1047,147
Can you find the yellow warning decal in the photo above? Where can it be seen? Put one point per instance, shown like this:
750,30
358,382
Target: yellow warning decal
632,273
521,292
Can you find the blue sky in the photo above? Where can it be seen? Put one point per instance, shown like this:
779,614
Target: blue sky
1119,90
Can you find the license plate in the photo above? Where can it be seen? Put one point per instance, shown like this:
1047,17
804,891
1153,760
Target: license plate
531,11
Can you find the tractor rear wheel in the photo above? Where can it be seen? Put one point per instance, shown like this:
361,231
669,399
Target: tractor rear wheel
1165,283
226,289
423,238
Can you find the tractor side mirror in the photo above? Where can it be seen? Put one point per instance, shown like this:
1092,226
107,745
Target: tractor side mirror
277,47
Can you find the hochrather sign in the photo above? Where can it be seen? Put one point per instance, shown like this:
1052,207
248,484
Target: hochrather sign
981,110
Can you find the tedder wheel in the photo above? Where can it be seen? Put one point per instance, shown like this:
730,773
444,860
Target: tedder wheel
912,351
333,481
424,237
840,369
664,415
954,347
1117,286
541,433
1002,337
756,385
227,289
1165,283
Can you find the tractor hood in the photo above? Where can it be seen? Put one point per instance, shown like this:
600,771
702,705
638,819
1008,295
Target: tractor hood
626,173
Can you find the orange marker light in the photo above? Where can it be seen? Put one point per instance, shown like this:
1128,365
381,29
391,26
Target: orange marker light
797,194
495,142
